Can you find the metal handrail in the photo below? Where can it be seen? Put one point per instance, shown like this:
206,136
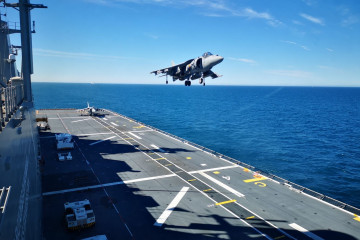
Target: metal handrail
10,99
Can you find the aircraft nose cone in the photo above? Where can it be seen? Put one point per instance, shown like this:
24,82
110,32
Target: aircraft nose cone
219,59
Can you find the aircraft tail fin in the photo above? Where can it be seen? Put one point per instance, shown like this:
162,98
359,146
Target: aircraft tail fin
172,63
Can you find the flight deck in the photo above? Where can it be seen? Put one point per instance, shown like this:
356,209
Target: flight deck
146,184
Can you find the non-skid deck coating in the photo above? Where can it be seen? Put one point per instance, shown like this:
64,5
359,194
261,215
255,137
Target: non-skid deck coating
144,184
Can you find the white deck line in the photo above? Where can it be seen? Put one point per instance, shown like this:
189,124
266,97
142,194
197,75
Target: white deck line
91,134
305,231
101,140
156,147
114,124
222,185
85,119
107,184
135,135
161,220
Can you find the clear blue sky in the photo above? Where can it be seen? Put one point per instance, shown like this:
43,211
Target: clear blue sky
279,42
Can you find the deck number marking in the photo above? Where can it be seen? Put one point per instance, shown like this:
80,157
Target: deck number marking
256,181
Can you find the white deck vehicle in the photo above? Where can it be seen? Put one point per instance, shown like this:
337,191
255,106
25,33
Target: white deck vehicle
79,215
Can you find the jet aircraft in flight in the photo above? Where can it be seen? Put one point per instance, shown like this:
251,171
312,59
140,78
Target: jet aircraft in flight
92,111
193,69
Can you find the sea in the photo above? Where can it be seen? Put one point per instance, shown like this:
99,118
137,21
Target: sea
307,135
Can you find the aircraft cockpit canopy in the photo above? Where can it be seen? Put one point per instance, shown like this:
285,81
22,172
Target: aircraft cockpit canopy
205,55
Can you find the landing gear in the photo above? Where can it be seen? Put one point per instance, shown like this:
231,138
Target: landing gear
201,80
167,80
187,83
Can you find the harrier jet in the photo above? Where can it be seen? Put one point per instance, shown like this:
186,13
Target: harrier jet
91,110
193,69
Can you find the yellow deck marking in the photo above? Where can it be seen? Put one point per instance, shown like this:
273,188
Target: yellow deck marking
191,180
127,138
260,184
357,218
206,190
151,153
188,157
141,126
246,170
255,179
216,172
168,165
282,236
226,202
250,217
159,159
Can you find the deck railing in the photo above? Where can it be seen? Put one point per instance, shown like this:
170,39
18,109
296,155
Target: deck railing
10,99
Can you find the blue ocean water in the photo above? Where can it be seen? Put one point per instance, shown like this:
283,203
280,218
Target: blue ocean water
310,136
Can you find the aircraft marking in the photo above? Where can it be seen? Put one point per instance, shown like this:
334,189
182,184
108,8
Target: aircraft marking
161,220
305,231
101,140
222,185
255,179
226,202
135,135
114,124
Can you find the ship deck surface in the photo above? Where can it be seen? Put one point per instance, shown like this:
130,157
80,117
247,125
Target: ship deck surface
144,184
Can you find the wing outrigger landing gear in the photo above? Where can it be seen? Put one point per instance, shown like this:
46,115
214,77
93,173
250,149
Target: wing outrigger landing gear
167,79
188,83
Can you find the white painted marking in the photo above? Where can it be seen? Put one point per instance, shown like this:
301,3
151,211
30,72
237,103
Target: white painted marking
160,221
213,169
156,147
114,124
92,134
135,135
101,140
305,231
226,177
108,184
105,118
86,119
203,164
222,185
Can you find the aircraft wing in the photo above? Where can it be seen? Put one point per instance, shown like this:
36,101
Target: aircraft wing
173,69
211,74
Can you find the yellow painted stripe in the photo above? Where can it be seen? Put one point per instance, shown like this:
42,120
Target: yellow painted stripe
357,218
282,236
159,159
188,157
127,138
206,190
226,202
168,165
250,217
255,179
246,170
216,172
191,180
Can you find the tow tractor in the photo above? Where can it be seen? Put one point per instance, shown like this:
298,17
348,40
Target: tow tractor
79,215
